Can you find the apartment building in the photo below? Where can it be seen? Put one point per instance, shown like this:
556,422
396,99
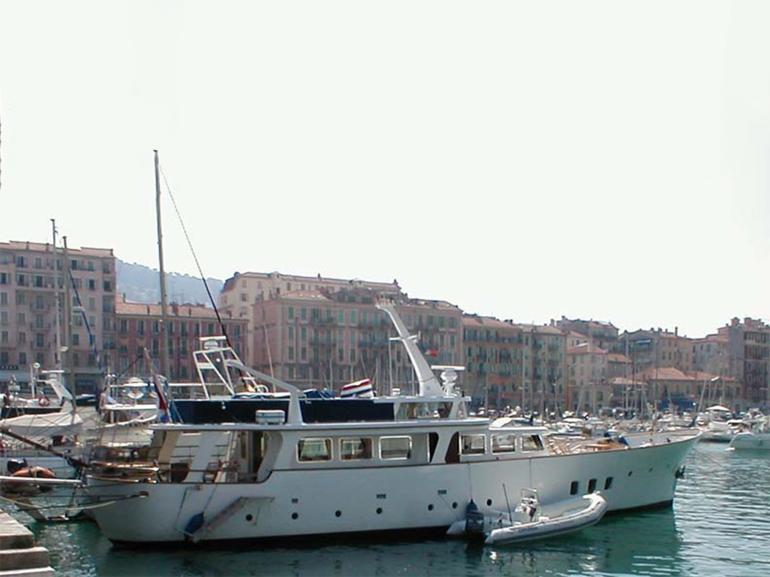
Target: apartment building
588,377
495,358
31,277
327,337
657,348
242,290
138,328
603,334
748,354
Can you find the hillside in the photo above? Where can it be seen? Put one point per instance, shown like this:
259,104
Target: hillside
141,284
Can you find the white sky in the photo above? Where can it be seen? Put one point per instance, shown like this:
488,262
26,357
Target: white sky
603,160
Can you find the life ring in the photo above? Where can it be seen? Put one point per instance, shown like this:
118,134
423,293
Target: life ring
43,401
35,472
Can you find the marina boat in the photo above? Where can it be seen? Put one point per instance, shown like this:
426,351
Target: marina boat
49,422
751,440
531,521
717,424
398,464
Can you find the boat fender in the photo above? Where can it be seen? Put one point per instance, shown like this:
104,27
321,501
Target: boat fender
194,524
680,472
474,519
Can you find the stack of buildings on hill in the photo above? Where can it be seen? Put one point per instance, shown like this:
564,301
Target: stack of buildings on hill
325,332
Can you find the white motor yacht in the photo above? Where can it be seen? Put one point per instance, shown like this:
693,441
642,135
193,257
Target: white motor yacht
384,464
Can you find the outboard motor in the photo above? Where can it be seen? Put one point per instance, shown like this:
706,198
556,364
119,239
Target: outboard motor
474,519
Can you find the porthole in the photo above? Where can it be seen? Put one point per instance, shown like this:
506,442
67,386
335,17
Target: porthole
608,483
573,488
294,515
249,517
337,513
379,510
430,507
489,502
454,505
630,473
591,485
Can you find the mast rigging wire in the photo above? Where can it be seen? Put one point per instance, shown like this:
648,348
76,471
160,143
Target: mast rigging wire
195,256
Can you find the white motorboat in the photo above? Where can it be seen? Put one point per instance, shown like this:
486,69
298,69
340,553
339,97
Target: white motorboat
539,522
751,440
384,464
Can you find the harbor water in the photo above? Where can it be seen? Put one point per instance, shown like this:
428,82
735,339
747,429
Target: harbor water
719,525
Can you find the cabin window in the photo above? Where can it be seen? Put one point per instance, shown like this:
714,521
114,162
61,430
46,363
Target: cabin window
608,483
395,448
531,443
473,444
503,443
355,449
309,450
574,487
591,485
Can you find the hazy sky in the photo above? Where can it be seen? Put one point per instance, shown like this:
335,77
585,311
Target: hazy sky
603,160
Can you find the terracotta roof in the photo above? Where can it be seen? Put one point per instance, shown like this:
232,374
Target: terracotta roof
174,310
490,322
664,374
617,358
306,295
703,376
46,247
586,349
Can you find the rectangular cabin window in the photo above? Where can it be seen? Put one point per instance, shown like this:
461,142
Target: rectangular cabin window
355,449
574,487
310,450
503,443
591,485
531,443
608,483
395,448
473,444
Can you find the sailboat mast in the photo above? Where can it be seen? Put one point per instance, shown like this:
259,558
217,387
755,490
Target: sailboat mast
57,309
163,300
69,372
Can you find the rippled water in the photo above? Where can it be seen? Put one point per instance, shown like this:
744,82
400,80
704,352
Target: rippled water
720,525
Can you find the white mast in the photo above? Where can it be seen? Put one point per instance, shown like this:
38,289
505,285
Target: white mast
429,385
163,301
57,309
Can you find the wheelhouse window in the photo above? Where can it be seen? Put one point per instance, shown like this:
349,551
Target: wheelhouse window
311,450
473,444
531,443
395,448
503,443
355,449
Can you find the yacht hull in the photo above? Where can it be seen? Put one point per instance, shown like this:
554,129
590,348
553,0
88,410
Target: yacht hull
294,503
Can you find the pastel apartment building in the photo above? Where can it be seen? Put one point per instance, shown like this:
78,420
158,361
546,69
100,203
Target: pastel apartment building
139,329
31,275
329,336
